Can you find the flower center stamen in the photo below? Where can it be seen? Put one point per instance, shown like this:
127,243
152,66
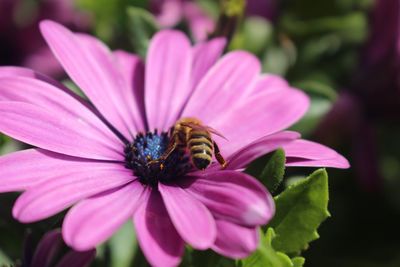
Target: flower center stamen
143,157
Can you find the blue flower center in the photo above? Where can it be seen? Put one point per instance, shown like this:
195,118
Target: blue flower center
143,157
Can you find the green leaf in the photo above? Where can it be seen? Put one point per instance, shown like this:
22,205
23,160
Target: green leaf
109,17
8,145
298,261
123,246
255,35
74,88
142,26
349,27
318,88
273,169
319,107
272,175
265,255
4,260
300,209
276,60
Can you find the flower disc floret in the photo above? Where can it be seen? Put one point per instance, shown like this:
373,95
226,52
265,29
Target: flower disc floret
143,157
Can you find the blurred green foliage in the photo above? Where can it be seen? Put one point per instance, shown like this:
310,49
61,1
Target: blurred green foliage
142,27
111,22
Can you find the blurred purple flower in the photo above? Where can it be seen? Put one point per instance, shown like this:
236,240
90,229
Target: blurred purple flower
377,83
98,156
21,42
172,12
48,253
373,95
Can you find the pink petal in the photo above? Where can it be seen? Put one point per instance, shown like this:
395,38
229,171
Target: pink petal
235,241
90,66
56,131
107,212
224,84
25,169
190,217
77,259
46,250
132,69
307,153
59,102
43,61
28,73
170,12
258,116
14,72
270,82
167,78
260,147
200,23
227,195
156,234
55,195
204,57
123,97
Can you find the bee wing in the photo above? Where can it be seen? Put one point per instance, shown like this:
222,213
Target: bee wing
204,128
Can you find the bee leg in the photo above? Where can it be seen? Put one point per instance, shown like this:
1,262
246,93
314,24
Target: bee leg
218,156
169,150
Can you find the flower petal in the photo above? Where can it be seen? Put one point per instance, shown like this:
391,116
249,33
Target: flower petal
53,196
190,217
132,69
57,101
47,249
28,73
270,82
56,131
90,66
235,241
168,12
156,234
167,78
25,169
258,116
224,83
50,83
199,22
77,258
123,97
227,195
107,211
204,57
307,153
260,147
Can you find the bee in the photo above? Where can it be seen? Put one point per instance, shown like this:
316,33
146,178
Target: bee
191,134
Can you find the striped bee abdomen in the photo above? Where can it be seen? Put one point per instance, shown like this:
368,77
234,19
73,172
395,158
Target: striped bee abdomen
201,148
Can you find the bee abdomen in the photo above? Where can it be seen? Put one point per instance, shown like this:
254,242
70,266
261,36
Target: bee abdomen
201,151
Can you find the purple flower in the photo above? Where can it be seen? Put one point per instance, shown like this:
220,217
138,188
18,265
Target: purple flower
49,250
95,156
